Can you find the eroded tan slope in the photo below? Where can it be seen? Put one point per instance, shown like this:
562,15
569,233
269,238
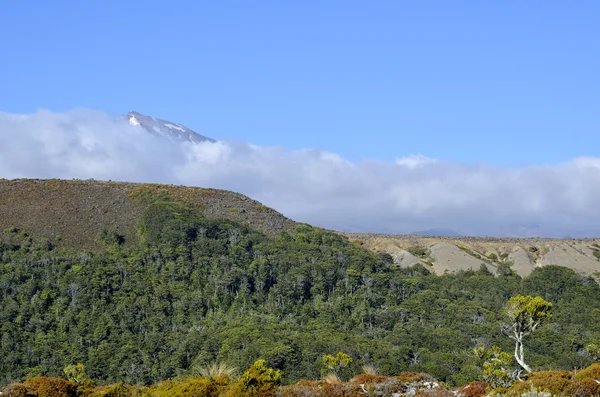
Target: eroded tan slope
448,254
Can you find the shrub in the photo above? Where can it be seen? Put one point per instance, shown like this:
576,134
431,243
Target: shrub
335,363
45,387
495,371
111,237
116,390
197,387
474,389
534,393
75,373
591,372
368,378
584,388
383,387
257,381
580,384
302,389
554,382
418,251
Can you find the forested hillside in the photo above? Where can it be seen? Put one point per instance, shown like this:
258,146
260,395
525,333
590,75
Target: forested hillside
195,290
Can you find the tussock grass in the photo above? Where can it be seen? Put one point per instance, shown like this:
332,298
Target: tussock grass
370,369
331,378
218,369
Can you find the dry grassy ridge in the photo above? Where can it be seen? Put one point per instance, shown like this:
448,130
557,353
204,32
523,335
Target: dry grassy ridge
71,213
442,254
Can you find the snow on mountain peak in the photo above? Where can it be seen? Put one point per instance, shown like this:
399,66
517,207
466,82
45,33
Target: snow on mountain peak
166,128
133,121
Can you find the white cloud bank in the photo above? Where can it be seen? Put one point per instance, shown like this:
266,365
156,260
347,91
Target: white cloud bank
411,194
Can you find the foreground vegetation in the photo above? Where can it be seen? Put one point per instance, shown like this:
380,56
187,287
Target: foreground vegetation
197,291
261,381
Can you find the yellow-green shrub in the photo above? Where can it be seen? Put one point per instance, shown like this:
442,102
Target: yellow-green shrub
591,372
257,381
555,382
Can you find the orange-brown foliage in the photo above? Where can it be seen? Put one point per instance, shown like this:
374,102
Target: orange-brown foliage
45,387
368,378
474,389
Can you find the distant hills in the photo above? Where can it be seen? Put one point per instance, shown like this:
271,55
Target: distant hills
72,213
438,232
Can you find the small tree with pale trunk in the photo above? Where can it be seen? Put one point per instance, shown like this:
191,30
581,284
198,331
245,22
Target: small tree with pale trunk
526,314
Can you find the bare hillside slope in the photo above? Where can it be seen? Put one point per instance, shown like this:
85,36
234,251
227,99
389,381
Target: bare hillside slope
443,254
73,212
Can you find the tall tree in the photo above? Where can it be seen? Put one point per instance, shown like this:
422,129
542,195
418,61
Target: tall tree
526,313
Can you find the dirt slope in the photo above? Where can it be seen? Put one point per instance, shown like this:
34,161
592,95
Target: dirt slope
72,213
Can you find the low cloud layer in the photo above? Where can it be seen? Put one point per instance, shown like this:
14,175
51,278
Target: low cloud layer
411,194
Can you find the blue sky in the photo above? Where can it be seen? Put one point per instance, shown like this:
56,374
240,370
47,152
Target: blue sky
504,83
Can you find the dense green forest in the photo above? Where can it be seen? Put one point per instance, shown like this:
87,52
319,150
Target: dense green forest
200,290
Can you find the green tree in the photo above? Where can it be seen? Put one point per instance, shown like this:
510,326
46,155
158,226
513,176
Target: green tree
526,313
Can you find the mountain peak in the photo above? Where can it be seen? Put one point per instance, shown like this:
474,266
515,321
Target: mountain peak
165,128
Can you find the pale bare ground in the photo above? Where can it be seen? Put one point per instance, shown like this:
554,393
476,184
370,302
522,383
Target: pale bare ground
450,254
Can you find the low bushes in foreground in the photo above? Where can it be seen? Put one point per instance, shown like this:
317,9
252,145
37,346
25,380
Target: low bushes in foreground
581,383
262,381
